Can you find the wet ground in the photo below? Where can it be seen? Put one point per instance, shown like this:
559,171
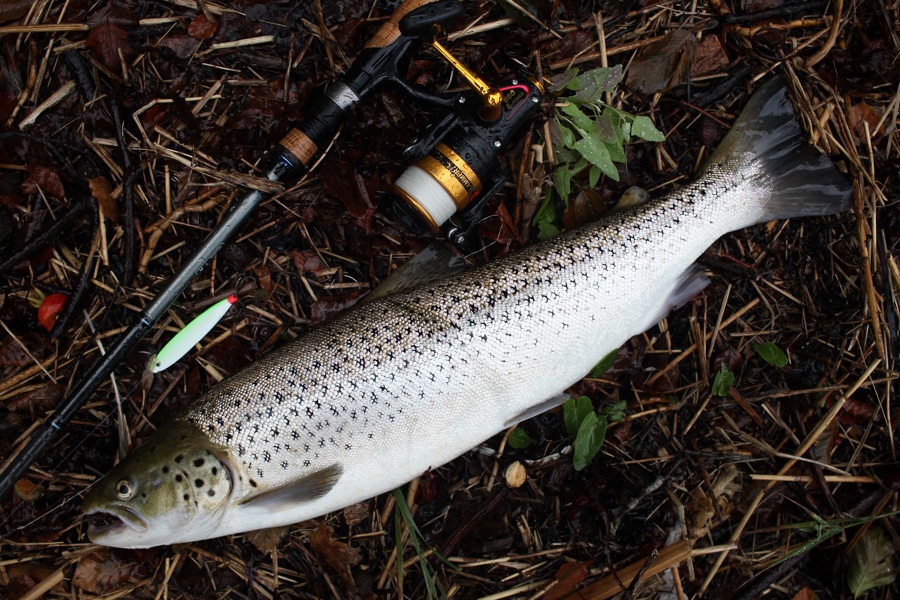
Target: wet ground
128,128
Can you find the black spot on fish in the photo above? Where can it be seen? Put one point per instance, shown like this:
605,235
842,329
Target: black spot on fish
186,497
215,470
165,469
179,478
179,458
198,483
211,492
198,462
252,483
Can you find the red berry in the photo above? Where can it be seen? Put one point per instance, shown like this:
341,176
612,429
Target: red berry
50,308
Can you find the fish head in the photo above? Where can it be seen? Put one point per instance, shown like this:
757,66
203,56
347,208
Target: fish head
174,488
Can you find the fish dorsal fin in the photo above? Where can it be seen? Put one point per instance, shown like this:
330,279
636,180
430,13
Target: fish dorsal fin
537,409
434,263
309,487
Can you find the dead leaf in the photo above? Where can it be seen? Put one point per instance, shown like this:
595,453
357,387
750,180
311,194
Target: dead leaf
356,513
102,190
46,178
710,57
106,40
266,540
39,400
28,490
12,354
569,576
101,571
663,65
202,28
24,576
337,555
307,261
805,594
861,114
13,9
324,308
341,181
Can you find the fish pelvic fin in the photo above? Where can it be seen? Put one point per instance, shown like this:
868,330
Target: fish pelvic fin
803,181
309,487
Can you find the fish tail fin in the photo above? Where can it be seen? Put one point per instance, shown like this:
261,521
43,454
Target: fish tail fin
801,180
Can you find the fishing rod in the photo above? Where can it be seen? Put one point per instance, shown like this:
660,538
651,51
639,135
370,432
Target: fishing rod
375,65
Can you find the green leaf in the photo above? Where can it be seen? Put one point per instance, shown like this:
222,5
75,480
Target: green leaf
771,353
581,121
724,380
616,151
588,440
871,564
597,81
595,151
518,439
607,127
644,128
562,182
614,412
574,412
544,218
605,364
594,176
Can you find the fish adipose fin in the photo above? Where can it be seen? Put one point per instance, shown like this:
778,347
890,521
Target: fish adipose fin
312,486
803,181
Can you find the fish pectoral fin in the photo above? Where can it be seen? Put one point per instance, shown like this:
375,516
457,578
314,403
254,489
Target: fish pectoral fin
537,409
310,487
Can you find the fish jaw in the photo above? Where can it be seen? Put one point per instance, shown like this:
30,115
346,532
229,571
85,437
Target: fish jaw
128,527
174,487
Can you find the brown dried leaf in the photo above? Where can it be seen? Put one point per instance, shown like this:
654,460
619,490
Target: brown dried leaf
338,555
356,513
202,28
663,65
266,540
341,181
307,261
13,9
710,57
569,576
325,308
861,114
806,594
101,190
12,354
38,400
27,490
46,178
105,41
101,571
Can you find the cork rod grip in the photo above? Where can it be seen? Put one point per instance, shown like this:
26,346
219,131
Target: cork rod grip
390,31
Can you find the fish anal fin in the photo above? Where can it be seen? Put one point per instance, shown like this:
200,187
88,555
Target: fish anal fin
309,487
533,411
691,283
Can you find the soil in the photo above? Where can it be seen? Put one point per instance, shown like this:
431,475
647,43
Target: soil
128,128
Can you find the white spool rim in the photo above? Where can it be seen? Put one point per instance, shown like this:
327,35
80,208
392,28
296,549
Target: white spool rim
428,194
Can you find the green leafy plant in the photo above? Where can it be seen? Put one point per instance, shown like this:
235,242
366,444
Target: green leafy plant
588,133
723,381
518,439
871,563
402,515
771,353
588,427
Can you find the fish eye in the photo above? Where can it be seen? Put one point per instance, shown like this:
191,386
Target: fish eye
124,490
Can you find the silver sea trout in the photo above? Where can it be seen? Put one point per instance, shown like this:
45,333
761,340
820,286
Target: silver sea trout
405,383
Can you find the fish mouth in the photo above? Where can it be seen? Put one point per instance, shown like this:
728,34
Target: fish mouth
115,519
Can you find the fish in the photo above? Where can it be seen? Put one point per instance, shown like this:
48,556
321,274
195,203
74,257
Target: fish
404,383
